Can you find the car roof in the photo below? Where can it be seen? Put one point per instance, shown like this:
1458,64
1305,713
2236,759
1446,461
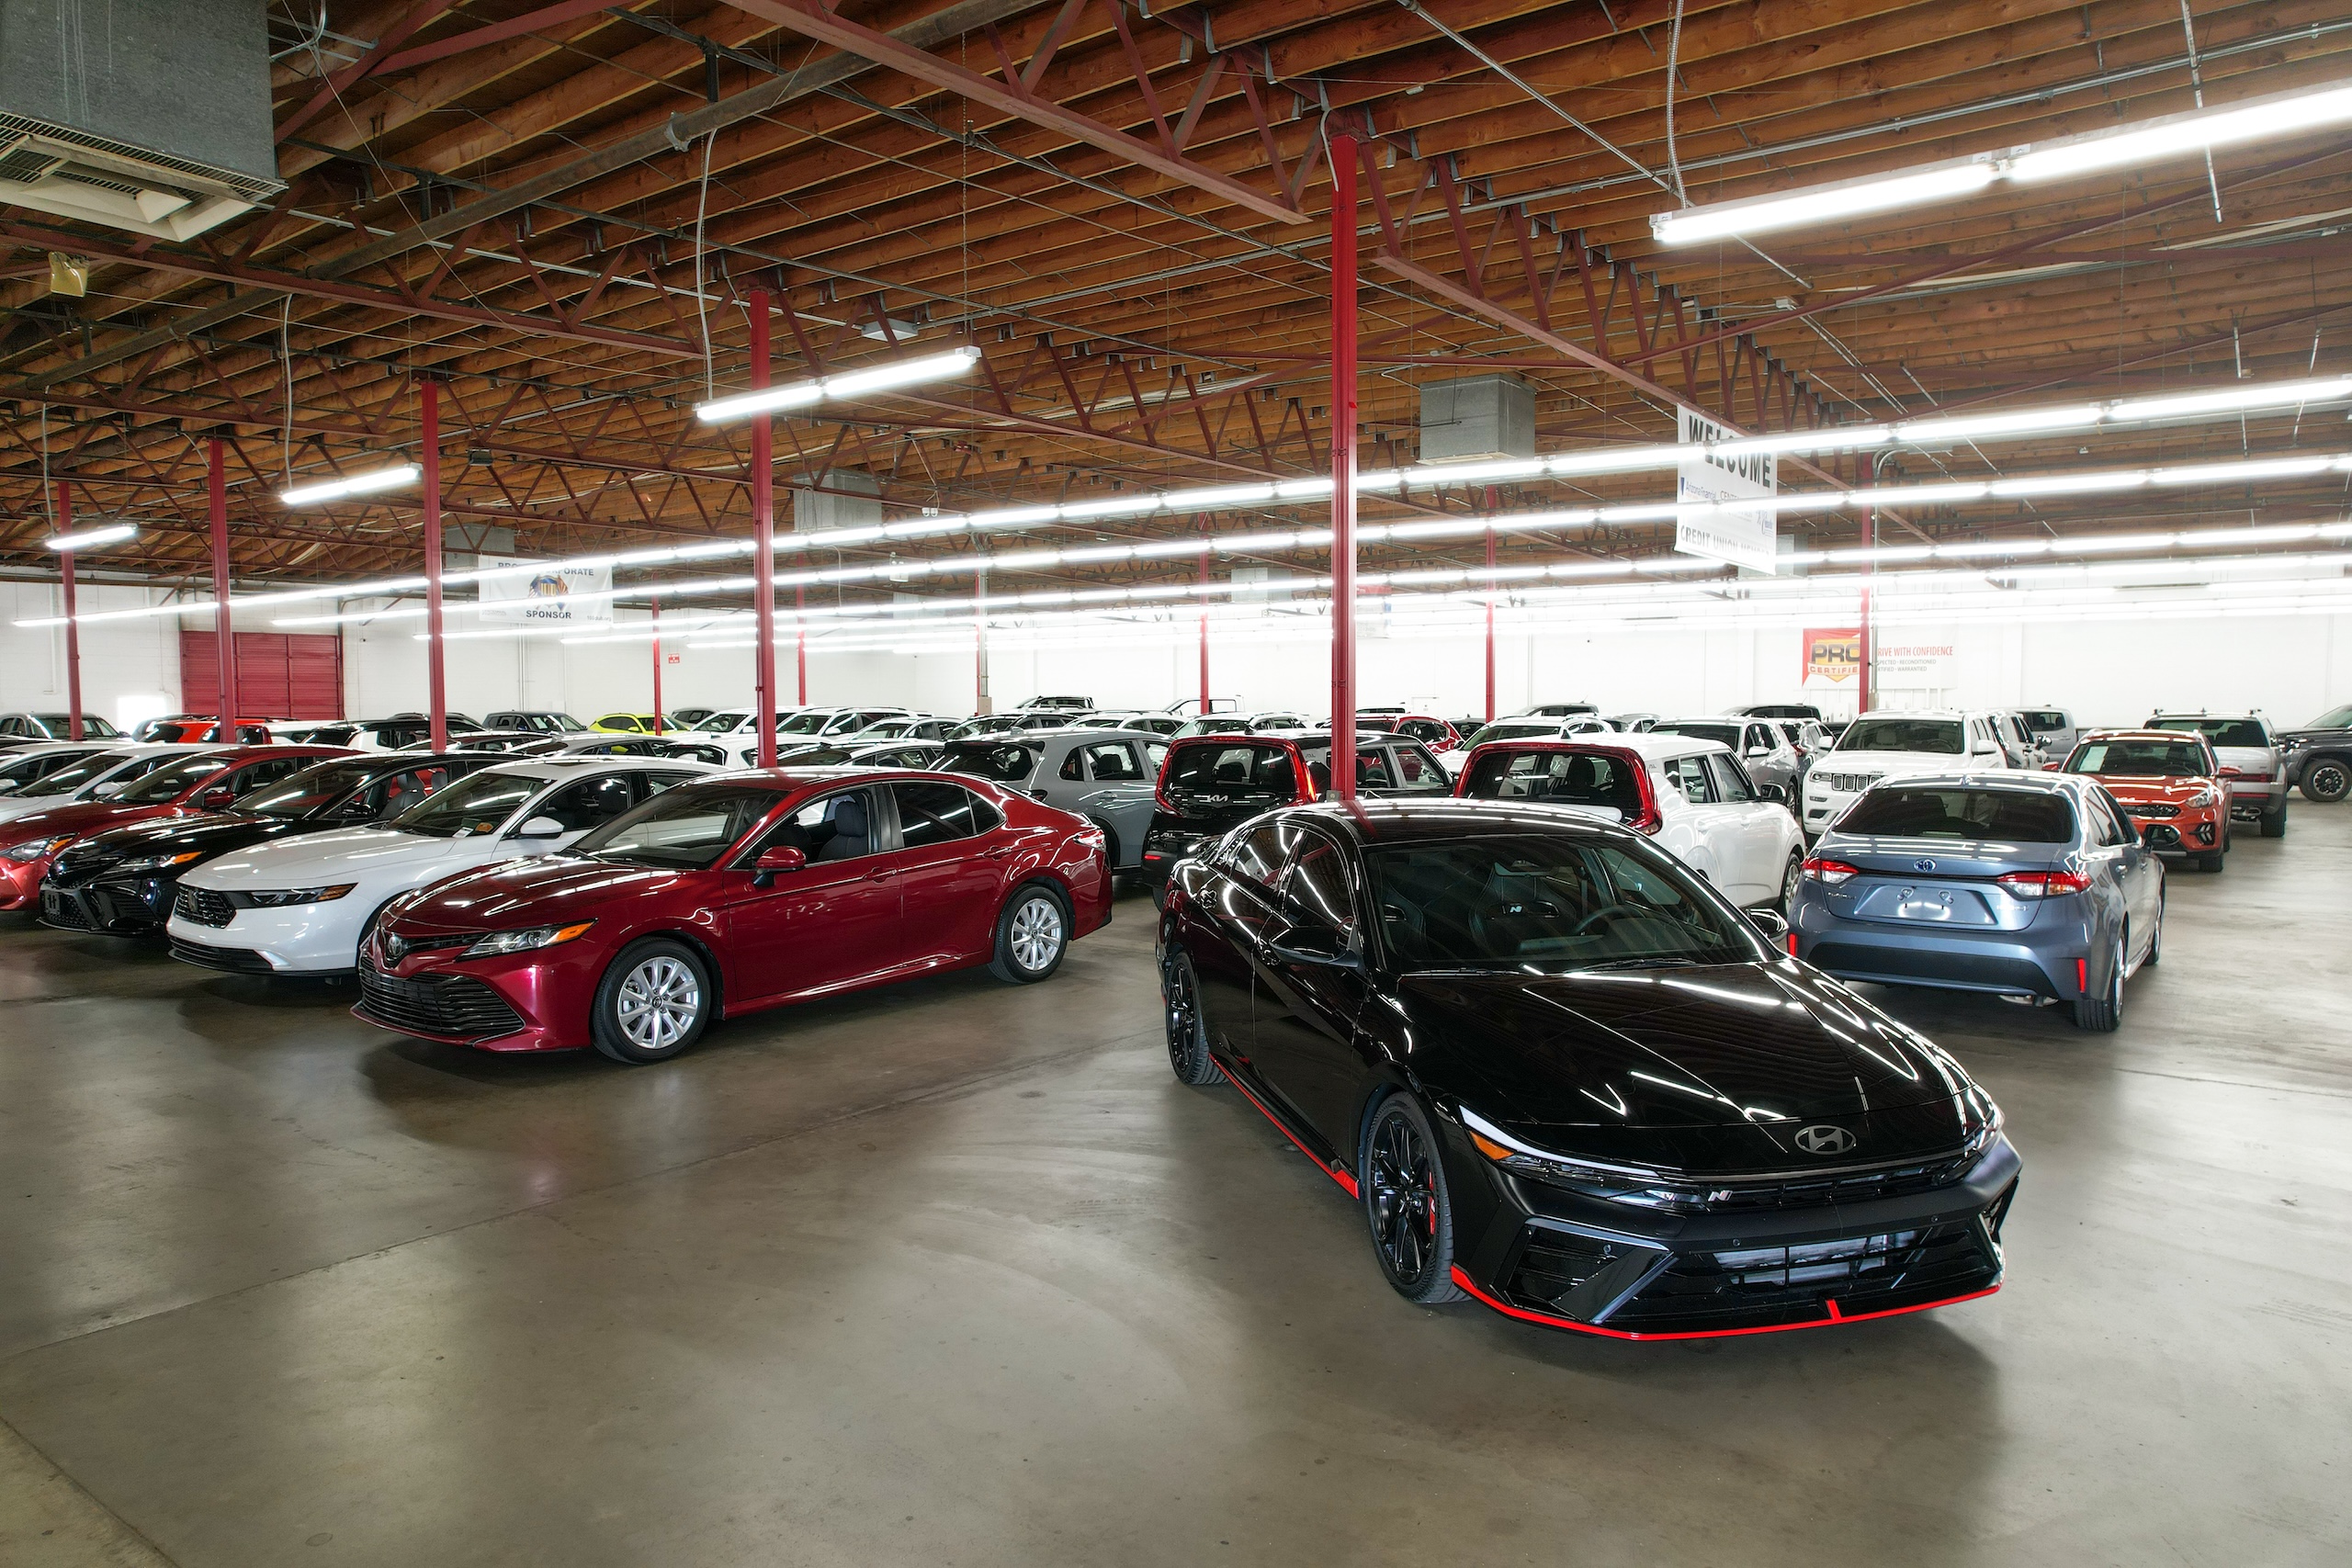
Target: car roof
1952,715
584,765
2137,733
1407,821
2001,778
1647,744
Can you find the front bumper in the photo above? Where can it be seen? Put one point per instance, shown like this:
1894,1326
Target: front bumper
525,1001
20,882
1552,1257
303,939
2191,832
116,907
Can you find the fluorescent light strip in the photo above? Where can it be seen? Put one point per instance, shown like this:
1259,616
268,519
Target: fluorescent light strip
357,484
848,384
2227,402
90,539
2174,136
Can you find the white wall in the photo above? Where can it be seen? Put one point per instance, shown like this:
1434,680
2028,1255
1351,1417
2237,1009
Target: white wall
2110,672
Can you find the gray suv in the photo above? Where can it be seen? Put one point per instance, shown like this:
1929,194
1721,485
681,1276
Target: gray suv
1104,775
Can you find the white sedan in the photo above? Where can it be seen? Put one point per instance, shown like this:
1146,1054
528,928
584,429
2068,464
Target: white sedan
94,777
1690,795
301,906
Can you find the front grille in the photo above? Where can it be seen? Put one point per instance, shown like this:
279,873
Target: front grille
76,865
456,1005
203,907
236,960
1553,1263
1804,1192
1762,1286
1850,784
65,911
2151,808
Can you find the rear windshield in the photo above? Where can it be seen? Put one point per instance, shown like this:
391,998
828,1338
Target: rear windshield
1726,733
1263,773
1939,737
2003,815
2139,758
2045,718
1518,730
1558,778
1004,761
2220,731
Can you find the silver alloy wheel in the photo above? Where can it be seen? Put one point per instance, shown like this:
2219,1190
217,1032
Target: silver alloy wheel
1036,935
658,1003
1791,879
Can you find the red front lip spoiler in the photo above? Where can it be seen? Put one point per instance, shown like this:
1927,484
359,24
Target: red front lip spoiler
1832,1320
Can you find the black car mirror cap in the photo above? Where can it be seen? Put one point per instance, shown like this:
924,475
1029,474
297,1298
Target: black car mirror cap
1323,945
1772,793
1771,923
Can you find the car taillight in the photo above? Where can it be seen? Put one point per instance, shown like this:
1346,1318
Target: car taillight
1647,820
1832,872
2042,883
2252,778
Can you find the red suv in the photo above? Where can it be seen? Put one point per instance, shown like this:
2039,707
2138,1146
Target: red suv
2170,784
1212,782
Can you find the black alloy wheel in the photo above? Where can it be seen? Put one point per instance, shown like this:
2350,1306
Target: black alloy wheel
1188,1028
1405,1202
2327,781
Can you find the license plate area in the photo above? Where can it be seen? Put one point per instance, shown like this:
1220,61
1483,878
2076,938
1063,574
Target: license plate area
1927,905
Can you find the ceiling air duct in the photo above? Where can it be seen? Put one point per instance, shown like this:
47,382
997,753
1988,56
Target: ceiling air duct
147,116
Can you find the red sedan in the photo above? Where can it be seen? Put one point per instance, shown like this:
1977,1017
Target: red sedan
199,782
730,894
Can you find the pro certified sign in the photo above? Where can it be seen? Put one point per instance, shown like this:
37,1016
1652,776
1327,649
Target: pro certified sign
1747,538
1832,658
531,593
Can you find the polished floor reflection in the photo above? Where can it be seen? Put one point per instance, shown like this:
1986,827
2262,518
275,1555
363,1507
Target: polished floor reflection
958,1274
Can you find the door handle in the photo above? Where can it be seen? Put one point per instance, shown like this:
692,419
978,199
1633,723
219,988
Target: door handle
884,874
999,853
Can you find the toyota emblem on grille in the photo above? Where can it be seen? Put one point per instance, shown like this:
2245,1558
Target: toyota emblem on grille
1825,1140
394,947
1923,865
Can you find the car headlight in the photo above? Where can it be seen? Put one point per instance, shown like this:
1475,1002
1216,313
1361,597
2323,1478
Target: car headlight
34,849
1611,1183
2202,798
527,939
279,897
158,863
1982,1117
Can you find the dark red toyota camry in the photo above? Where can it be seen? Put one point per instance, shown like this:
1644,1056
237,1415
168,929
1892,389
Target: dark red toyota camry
730,894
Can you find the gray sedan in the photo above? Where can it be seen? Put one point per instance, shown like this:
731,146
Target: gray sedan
1107,776
2031,886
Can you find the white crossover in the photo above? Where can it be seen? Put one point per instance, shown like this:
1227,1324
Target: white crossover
1897,746
301,906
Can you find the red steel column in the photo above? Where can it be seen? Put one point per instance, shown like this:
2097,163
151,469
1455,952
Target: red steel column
436,684
764,535
1491,499
800,636
73,627
1343,467
1204,632
657,666
225,627
1869,650
981,641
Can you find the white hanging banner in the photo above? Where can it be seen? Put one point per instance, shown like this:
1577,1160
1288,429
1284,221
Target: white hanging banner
577,595
1741,537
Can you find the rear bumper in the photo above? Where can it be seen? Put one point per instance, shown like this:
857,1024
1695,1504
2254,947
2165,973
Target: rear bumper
2040,961
1601,1268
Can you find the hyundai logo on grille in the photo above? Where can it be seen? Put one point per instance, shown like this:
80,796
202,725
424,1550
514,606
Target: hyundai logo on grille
1825,1140
1923,865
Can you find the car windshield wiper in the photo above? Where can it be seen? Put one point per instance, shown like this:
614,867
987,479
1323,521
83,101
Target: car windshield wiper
1651,963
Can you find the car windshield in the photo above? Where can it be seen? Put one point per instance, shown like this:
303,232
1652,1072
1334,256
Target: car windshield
24,769
476,805
1517,729
299,794
65,781
2334,718
2044,718
1001,761
1726,733
719,723
93,726
1546,903
2003,816
1936,736
1215,724
171,780
820,757
803,723
685,828
2220,731
2140,758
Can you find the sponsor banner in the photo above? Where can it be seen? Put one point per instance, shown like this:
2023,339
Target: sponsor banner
1747,539
1832,658
1922,663
580,595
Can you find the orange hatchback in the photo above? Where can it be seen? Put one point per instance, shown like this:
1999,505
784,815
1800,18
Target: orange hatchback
2170,782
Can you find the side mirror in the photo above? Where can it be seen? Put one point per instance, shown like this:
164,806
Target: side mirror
783,857
218,798
540,828
1771,923
1319,945
2233,772
2051,767
1773,793
10,786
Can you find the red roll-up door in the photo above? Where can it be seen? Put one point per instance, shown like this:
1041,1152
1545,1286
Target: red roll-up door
279,675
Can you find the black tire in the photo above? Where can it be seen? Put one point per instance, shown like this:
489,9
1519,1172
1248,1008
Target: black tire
1402,1186
1031,935
2212,859
1188,1028
2104,1013
653,1002
2327,779
2155,938
2274,823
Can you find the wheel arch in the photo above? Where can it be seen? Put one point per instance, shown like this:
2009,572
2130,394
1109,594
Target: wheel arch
685,936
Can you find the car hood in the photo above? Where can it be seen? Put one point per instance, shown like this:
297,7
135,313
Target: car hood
1705,1067
2165,791
1890,764
2310,735
80,817
552,890
289,863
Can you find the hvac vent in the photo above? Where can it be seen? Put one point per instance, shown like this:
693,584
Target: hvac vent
1477,418
147,116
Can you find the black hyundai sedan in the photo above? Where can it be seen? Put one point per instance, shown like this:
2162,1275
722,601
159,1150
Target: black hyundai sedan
121,882
1561,1075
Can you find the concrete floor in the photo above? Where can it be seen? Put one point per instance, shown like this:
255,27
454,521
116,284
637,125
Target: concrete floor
957,1274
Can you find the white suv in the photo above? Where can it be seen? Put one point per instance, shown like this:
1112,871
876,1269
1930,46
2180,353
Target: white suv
1897,745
